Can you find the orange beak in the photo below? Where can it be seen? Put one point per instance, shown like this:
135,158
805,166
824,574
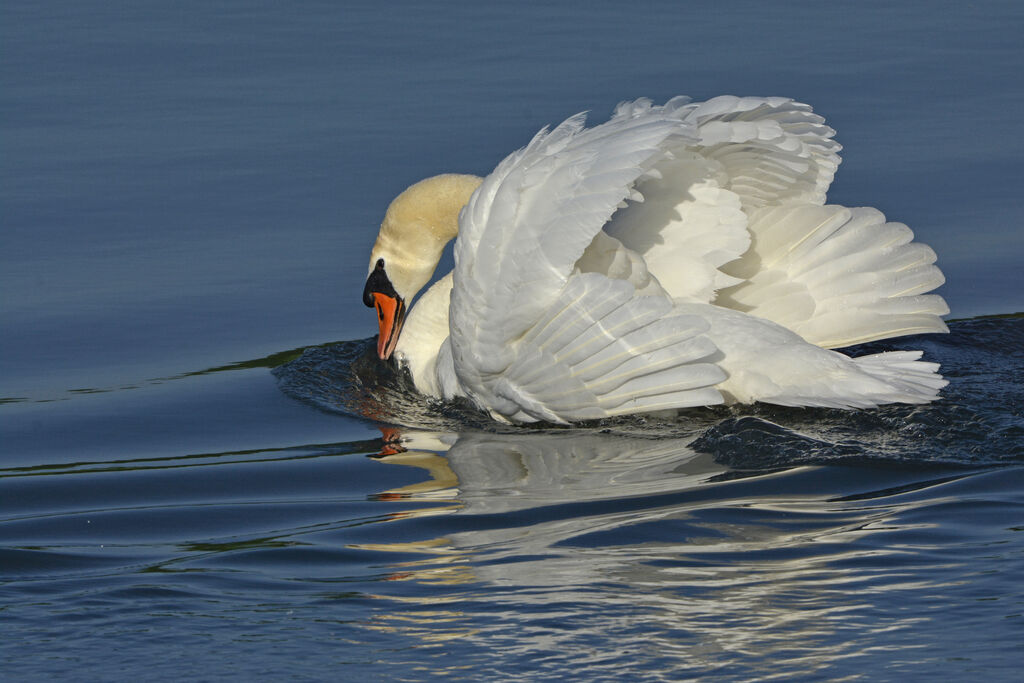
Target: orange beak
390,316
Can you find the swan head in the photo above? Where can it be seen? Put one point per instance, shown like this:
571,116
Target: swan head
416,227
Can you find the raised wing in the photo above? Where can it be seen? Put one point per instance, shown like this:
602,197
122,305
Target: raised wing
749,152
604,351
531,219
533,338
737,219
836,276
772,150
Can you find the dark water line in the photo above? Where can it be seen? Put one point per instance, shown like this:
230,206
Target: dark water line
324,450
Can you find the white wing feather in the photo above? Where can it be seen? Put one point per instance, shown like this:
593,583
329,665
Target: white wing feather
533,338
836,276
772,150
552,319
605,350
754,185
750,152
767,362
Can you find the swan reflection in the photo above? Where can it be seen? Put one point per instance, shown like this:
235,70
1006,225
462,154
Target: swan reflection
503,472
529,493
648,539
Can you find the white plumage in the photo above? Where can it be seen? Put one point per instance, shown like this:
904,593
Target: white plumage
674,256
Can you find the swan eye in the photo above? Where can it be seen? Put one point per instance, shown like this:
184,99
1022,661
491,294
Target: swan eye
378,282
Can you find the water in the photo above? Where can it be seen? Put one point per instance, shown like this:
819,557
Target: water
202,475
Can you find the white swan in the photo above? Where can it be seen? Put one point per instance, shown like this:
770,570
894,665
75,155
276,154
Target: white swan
677,255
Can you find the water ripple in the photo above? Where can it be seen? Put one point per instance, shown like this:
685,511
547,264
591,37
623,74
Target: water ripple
978,421
747,543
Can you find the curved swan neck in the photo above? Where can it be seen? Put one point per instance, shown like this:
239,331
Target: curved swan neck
418,224
432,204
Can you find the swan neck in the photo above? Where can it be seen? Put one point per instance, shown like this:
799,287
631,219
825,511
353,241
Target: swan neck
417,226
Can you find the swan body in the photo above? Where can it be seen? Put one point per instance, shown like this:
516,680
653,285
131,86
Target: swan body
674,256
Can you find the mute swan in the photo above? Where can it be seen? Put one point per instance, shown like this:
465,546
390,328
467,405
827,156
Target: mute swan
674,256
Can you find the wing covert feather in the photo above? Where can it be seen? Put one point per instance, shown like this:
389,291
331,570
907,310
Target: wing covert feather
608,352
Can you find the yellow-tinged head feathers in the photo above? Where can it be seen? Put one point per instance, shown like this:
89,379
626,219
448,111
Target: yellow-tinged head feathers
418,224
416,227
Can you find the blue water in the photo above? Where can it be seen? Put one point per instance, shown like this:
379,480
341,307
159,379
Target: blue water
204,476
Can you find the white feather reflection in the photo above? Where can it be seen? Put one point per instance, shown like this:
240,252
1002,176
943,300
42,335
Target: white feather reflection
555,539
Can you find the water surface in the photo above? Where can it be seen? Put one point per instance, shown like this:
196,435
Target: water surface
203,475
